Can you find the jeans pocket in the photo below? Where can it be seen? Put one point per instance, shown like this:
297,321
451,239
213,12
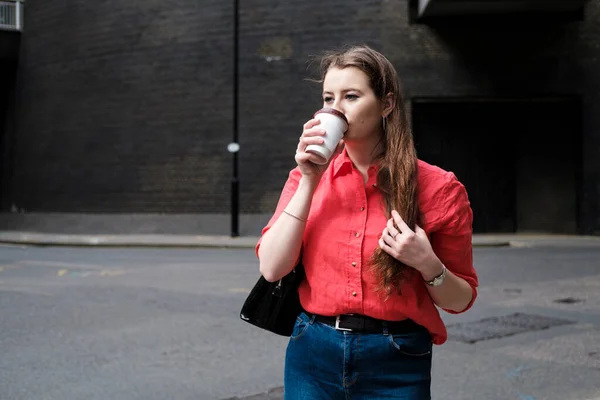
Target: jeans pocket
300,327
417,344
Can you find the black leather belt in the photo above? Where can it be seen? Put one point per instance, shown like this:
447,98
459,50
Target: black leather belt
364,324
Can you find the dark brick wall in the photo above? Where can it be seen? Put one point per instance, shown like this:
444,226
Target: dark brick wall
126,106
278,39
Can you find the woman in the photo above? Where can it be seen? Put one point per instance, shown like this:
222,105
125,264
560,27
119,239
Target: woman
384,239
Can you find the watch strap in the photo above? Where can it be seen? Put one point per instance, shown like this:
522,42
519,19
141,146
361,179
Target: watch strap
438,280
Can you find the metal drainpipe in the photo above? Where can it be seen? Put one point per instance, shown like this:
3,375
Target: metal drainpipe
18,15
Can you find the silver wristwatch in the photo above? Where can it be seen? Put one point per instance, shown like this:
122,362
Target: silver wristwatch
438,280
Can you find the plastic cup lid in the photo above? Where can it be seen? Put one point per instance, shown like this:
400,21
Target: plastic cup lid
332,111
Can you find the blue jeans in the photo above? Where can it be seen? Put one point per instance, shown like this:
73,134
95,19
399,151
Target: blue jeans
324,363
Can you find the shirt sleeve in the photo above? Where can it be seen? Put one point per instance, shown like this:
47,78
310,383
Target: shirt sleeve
289,189
453,241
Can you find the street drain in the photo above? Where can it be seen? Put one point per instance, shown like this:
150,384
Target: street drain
499,327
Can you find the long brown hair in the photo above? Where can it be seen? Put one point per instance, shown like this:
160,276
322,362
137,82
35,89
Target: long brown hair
397,176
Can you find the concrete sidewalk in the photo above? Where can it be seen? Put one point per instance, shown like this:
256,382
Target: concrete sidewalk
222,241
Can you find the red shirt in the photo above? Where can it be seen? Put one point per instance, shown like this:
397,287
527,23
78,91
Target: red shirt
344,225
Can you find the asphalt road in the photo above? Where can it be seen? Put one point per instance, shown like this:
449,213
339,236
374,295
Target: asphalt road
97,324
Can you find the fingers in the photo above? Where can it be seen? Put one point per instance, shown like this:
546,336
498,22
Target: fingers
400,242
388,244
384,245
302,157
311,129
311,134
309,139
388,237
311,123
391,229
400,223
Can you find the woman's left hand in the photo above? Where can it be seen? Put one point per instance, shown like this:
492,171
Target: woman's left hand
408,246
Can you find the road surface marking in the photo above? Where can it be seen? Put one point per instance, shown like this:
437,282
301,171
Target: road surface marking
41,263
85,274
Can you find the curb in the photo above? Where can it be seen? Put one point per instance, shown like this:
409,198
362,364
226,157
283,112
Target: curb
249,242
158,241
172,241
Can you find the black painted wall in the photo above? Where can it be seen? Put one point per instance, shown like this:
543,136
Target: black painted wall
123,106
126,107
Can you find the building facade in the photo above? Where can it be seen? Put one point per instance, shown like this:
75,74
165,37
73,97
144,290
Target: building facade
122,108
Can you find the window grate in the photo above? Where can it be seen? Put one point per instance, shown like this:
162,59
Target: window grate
11,15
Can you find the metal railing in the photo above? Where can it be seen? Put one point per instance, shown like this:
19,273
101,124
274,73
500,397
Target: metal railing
11,15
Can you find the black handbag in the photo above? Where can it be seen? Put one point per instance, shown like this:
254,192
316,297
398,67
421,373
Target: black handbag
274,306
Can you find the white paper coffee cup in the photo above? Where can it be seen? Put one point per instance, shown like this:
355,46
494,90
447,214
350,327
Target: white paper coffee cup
335,125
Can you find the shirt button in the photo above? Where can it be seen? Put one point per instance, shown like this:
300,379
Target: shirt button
362,209
353,264
357,234
354,294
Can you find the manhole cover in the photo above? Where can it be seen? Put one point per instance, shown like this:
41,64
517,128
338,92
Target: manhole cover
499,327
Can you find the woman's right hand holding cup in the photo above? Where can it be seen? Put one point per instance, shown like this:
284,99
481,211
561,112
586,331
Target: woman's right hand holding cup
312,134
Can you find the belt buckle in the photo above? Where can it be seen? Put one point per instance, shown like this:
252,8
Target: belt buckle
337,325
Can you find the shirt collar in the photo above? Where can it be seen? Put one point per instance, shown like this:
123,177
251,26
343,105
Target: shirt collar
342,163
342,160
